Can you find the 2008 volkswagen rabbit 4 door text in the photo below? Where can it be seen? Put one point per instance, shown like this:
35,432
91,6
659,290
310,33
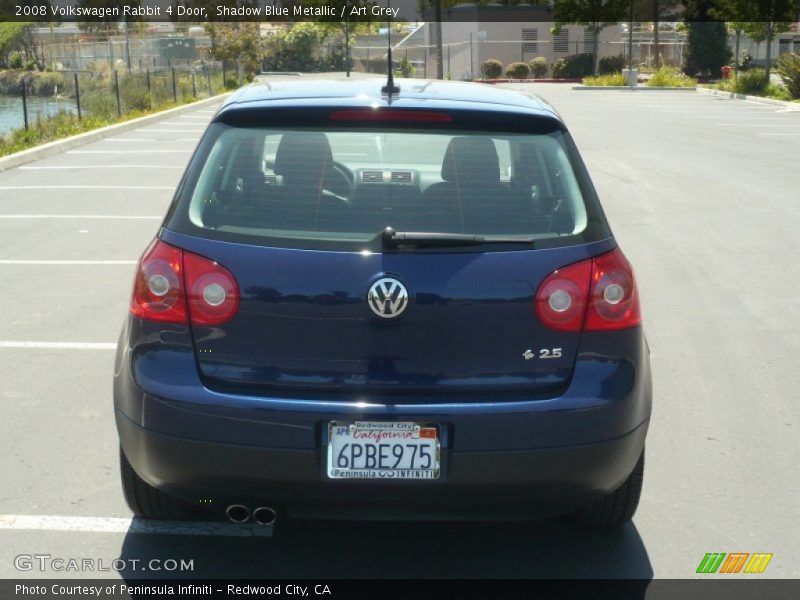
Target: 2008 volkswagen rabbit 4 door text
384,305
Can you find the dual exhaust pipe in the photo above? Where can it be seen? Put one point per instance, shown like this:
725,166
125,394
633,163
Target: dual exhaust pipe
239,513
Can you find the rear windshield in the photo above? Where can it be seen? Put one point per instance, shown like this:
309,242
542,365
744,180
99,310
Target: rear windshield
304,187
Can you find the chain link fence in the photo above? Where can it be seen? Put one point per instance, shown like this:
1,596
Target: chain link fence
463,60
29,98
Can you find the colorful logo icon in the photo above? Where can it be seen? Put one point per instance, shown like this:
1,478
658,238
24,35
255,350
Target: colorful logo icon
735,562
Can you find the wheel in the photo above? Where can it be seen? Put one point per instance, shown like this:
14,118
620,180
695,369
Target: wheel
616,508
148,502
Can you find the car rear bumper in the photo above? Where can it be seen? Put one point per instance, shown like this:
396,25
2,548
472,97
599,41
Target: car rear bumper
501,458
510,485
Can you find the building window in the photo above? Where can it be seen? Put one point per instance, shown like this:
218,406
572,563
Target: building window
561,41
783,46
529,39
588,39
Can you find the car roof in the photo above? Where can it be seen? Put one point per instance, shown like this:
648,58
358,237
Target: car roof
320,91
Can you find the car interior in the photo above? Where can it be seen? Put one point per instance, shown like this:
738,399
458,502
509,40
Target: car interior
312,181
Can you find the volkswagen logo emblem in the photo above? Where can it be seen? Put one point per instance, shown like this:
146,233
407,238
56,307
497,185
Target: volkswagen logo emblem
388,298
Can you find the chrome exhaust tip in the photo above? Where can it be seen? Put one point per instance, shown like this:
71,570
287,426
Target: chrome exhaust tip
264,515
237,513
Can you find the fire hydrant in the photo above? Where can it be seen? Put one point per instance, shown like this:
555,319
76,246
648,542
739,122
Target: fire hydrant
726,72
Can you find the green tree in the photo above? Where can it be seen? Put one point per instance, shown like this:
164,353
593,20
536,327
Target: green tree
302,47
237,41
592,14
760,20
707,40
108,26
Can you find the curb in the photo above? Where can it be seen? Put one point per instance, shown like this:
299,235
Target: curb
627,88
59,146
712,92
544,80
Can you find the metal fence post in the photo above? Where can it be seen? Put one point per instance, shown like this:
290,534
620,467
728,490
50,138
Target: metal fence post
448,59
224,85
78,96
471,64
194,87
208,79
25,102
116,91
425,76
174,87
149,86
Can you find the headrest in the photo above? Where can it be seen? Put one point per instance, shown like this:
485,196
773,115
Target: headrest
303,157
471,159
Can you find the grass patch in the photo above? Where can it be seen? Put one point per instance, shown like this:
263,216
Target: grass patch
754,83
670,77
612,80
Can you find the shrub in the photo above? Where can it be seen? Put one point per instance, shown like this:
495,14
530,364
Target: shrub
99,103
134,94
670,77
492,69
753,82
788,67
613,80
611,64
518,70
15,60
538,67
572,67
46,83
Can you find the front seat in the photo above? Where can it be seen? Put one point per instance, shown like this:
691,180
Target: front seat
471,197
303,160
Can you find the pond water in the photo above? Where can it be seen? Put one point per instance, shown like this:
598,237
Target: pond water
11,115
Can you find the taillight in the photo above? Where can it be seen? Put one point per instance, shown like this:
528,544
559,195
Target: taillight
597,294
158,286
212,291
176,286
391,114
614,302
561,298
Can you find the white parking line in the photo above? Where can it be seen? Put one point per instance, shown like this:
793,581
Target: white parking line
124,217
67,262
86,187
171,131
127,525
58,345
123,167
186,151
798,133
759,124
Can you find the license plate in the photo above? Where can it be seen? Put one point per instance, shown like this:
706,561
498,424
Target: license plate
371,450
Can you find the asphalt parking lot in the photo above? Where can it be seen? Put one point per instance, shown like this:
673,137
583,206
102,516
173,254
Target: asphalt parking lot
703,194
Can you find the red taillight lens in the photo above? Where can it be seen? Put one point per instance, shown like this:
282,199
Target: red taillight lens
614,302
561,298
389,114
176,286
598,294
212,291
158,286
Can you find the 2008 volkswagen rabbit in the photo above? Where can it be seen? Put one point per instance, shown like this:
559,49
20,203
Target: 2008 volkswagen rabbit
384,306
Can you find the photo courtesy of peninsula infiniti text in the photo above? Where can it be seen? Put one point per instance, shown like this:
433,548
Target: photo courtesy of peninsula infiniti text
383,302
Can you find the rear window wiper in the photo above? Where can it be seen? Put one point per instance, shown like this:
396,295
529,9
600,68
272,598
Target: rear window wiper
395,239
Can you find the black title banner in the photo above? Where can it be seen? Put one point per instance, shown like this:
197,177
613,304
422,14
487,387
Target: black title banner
374,11
387,589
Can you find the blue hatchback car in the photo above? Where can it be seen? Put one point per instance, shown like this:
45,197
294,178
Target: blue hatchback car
373,305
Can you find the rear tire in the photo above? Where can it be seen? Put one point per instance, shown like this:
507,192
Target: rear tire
148,502
616,508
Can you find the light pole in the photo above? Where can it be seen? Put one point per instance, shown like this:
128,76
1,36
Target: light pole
346,39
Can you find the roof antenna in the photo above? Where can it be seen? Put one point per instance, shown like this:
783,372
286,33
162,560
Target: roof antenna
390,88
